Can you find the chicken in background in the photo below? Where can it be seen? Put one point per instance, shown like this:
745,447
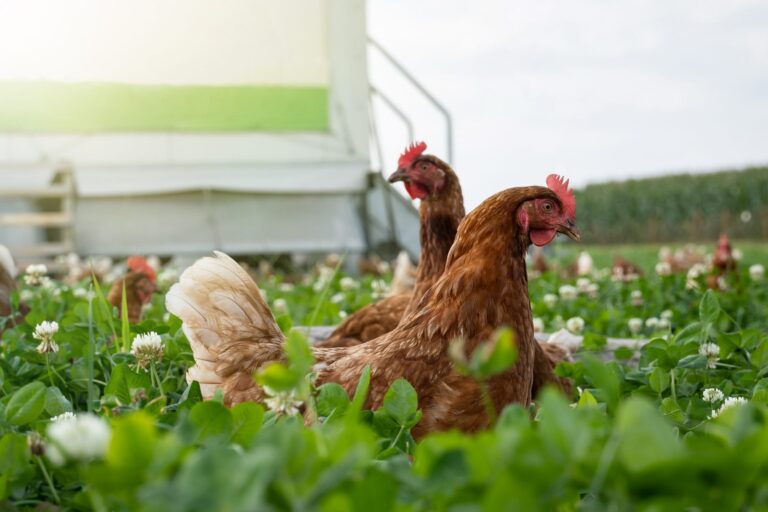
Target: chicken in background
624,270
723,263
483,288
140,283
540,265
434,182
680,260
373,265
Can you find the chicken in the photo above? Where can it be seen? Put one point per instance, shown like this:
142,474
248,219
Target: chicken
140,283
484,287
7,287
540,265
431,180
723,263
625,270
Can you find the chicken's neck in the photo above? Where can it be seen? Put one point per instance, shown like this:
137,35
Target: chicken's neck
439,221
484,287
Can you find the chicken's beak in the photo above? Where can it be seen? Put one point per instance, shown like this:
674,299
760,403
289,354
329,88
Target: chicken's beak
399,175
570,230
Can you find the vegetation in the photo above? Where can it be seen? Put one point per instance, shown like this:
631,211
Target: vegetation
680,423
674,208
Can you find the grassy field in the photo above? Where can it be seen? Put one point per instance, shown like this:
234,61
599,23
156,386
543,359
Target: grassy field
647,255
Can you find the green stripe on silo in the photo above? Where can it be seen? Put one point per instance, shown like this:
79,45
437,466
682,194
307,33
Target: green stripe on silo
53,107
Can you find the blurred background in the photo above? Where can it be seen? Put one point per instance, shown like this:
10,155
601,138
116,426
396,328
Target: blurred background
175,127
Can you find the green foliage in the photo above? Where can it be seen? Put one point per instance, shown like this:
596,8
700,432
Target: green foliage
639,436
682,207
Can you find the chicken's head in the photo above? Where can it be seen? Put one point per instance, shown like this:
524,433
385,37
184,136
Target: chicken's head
424,176
544,217
139,265
141,277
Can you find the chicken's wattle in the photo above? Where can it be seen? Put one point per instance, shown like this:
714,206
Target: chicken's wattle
416,190
541,237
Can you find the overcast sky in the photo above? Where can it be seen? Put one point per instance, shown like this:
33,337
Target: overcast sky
595,89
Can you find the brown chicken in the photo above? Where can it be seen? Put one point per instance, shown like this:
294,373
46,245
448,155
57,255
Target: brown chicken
232,332
723,263
624,270
431,180
140,284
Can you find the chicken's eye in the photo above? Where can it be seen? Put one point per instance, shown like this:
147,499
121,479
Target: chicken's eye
547,207
424,167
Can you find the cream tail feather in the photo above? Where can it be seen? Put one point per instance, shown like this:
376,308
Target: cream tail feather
6,261
229,326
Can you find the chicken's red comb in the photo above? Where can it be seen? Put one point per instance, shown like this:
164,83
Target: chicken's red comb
140,265
411,153
559,185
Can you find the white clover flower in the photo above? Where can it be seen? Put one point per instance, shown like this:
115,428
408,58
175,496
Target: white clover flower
667,314
379,287
550,299
343,314
637,298
280,305
338,297
737,254
538,325
383,267
652,322
663,268
78,438
26,295
104,266
568,292
263,294
575,324
584,264
35,275
635,325
282,402
696,271
731,401
348,283
582,284
757,272
286,287
745,216
167,277
63,417
663,324
712,352
593,290
147,348
712,395
44,333
324,277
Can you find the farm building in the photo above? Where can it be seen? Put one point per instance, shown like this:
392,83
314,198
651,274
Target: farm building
255,141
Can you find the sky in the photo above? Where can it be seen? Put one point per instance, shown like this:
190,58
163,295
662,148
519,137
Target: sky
596,90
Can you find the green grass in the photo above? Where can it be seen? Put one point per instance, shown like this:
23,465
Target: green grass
647,255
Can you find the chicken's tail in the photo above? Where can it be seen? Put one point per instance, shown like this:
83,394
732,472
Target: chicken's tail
229,326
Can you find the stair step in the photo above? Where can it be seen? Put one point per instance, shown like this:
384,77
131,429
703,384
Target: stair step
43,219
52,191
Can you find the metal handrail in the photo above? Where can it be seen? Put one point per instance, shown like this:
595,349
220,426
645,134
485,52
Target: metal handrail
439,106
397,111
